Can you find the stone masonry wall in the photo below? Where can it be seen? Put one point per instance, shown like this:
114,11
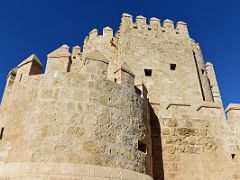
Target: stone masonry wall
139,102
191,138
77,118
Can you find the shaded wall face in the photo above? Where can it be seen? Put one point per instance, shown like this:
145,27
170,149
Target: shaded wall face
73,118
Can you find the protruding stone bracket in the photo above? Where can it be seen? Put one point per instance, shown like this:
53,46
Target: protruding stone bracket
177,104
232,107
208,105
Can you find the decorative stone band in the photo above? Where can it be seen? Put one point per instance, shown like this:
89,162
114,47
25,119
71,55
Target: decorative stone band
206,104
66,171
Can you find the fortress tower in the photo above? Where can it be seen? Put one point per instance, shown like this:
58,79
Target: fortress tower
140,104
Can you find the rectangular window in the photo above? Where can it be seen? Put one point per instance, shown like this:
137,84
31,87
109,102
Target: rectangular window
173,67
148,72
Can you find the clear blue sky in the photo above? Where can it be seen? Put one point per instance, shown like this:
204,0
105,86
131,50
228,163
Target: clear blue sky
40,26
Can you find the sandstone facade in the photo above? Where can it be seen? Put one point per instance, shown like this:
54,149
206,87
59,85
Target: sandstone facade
140,104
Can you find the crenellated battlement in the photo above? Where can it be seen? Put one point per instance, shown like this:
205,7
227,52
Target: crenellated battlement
107,32
62,61
154,25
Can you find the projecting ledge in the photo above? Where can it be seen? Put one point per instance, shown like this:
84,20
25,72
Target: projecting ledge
232,107
206,104
177,103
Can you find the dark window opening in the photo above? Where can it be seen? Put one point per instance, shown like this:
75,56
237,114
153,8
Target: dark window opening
177,32
149,29
1,135
148,72
233,156
202,71
74,57
115,79
69,66
173,67
142,147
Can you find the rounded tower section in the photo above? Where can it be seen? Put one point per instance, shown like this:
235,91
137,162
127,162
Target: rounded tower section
71,124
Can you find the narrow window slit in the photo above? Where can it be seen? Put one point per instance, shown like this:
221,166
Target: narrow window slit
233,156
20,77
1,134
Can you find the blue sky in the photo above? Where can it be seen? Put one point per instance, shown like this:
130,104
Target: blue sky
41,26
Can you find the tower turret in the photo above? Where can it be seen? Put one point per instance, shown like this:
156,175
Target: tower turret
59,60
28,67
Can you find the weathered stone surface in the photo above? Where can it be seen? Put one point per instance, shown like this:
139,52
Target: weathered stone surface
139,102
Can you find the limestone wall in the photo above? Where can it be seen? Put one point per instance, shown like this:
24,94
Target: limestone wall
142,100
198,147
174,59
77,118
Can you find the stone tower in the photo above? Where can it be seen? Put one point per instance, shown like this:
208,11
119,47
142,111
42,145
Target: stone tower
140,104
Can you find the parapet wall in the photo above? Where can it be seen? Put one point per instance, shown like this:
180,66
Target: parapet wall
154,25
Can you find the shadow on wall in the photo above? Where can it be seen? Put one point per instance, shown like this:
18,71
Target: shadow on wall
157,159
